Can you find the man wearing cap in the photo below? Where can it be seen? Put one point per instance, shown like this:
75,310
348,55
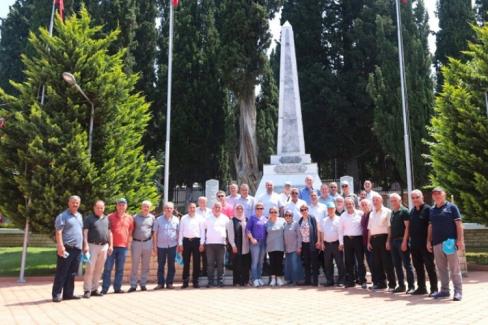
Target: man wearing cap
166,232
422,259
294,204
351,239
346,192
329,236
69,241
121,226
307,190
400,250
270,199
285,195
142,246
325,196
97,241
445,236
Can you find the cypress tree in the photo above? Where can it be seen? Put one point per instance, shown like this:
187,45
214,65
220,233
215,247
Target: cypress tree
459,149
455,18
44,149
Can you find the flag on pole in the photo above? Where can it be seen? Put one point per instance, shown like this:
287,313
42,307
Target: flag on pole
59,5
175,3
404,1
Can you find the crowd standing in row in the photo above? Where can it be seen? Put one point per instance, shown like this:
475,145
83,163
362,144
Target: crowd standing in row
300,231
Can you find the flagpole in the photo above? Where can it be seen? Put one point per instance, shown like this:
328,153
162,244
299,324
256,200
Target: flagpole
51,26
168,104
406,136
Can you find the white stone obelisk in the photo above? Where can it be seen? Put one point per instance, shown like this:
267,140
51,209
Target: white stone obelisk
291,163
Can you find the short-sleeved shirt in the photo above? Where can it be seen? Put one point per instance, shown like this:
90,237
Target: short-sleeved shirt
443,221
397,222
248,205
272,200
98,230
330,228
319,211
121,228
326,200
305,194
275,240
419,224
72,228
167,231
143,226
379,221
295,208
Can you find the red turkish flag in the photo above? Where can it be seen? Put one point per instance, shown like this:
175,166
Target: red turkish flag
59,4
404,1
175,3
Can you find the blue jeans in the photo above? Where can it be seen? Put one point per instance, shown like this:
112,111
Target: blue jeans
293,268
402,259
163,255
257,259
118,258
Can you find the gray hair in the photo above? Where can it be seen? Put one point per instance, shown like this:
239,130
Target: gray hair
395,196
418,192
146,202
74,198
377,195
169,204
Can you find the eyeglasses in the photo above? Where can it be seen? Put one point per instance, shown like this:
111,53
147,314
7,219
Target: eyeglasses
239,208
259,208
294,193
345,185
273,212
220,195
288,215
415,197
304,209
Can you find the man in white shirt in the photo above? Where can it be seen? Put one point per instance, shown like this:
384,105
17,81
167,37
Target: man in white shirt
213,239
333,187
202,211
351,232
285,195
379,244
191,226
234,196
270,199
317,209
368,187
246,200
295,204
329,234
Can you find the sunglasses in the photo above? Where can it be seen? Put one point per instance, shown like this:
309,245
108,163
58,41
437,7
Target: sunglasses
288,215
220,195
239,208
294,193
345,185
259,208
303,209
273,212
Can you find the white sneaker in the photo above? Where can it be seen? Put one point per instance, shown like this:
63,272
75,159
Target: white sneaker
280,281
256,283
261,283
273,281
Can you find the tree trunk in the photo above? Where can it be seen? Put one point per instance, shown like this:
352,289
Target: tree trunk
247,163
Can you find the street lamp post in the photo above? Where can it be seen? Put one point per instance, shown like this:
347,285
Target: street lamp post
70,80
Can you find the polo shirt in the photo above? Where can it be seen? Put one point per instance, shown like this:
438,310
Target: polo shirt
143,226
330,229
397,222
72,228
326,200
443,221
121,228
167,231
228,210
304,194
419,223
98,232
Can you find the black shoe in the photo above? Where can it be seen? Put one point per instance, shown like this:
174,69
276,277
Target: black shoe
103,292
221,284
184,286
328,285
377,287
73,297
95,293
363,285
210,285
419,291
196,285
119,291
170,286
87,294
132,289
143,288
350,285
57,299
410,291
399,290
159,287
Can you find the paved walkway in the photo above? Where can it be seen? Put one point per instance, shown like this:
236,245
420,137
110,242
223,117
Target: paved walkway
31,304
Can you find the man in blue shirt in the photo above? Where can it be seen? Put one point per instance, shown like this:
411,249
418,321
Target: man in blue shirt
307,190
69,241
445,224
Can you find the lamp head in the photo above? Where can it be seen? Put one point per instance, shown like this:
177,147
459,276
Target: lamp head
69,78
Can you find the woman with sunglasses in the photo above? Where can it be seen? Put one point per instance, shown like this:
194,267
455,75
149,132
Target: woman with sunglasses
256,232
293,248
310,244
275,246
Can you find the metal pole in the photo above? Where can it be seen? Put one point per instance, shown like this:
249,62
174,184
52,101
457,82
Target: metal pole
168,104
51,26
486,102
92,114
406,136
24,253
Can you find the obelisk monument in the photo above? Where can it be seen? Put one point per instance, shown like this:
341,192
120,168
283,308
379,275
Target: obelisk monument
291,163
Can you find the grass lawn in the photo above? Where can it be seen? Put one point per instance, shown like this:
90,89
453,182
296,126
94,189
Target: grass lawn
477,256
39,261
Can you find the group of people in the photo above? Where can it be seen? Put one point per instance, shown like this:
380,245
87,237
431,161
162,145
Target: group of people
297,231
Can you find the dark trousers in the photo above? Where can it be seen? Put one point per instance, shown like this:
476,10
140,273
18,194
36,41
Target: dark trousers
203,269
215,259
241,263
310,263
191,251
422,258
382,261
333,254
353,253
369,259
276,263
66,269
321,262
166,254
400,260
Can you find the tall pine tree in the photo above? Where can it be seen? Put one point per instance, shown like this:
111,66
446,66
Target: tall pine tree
459,150
44,149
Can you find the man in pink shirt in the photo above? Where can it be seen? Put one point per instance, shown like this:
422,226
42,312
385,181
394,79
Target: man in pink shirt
227,209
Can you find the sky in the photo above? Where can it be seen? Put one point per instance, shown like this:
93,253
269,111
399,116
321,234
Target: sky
275,24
